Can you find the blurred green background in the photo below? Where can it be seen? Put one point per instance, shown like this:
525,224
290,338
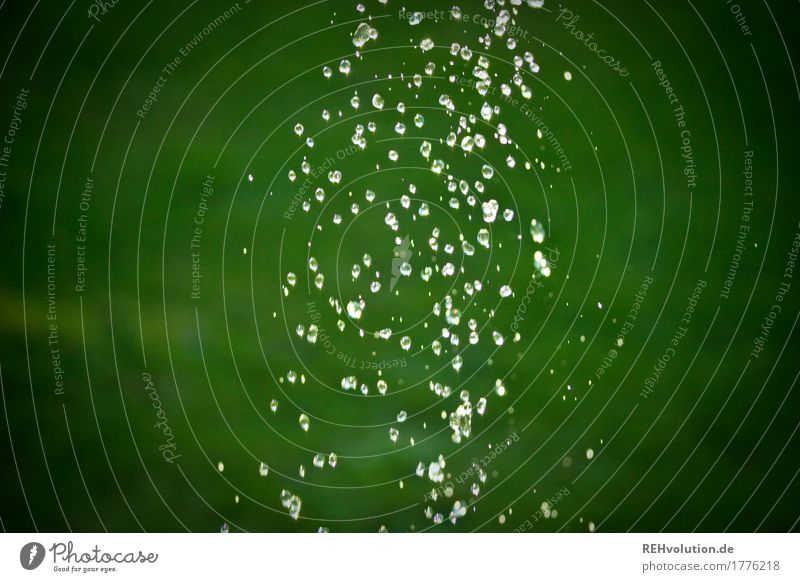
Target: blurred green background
711,448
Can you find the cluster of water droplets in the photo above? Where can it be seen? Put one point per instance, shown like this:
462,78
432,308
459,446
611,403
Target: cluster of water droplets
454,324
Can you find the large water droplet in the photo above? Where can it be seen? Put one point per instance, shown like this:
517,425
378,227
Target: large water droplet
354,309
363,34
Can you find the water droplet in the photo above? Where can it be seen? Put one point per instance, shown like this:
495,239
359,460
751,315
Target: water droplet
425,149
354,309
292,503
459,510
435,472
364,33
490,209
541,264
305,422
499,388
382,387
537,231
